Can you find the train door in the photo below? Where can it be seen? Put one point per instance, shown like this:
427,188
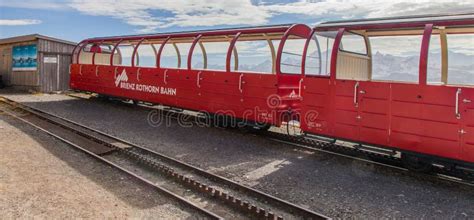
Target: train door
460,72
289,69
353,69
316,114
374,112
440,122
257,82
346,110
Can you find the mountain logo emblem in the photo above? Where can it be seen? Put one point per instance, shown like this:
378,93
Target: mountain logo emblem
121,78
293,94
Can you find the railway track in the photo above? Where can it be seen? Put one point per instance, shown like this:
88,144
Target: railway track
209,195
372,156
352,151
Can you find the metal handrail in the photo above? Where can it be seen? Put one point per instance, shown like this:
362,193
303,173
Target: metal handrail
240,82
198,80
165,76
356,87
287,64
456,110
298,54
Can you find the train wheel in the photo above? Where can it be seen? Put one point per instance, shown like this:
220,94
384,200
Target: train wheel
415,163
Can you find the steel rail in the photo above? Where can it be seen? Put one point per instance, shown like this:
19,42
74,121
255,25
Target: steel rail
357,154
229,199
175,196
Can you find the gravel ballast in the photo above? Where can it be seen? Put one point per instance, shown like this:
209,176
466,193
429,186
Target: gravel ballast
43,178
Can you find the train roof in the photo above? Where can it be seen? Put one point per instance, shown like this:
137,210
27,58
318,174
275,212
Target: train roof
417,21
269,29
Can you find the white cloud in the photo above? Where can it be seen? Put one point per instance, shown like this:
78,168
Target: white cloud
18,22
183,13
150,15
371,8
35,4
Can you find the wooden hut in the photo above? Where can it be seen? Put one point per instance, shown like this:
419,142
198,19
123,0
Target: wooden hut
35,62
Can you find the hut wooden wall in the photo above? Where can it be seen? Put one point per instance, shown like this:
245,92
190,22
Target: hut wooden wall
5,63
54,76
17,78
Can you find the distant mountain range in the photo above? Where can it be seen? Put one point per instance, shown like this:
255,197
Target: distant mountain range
388,67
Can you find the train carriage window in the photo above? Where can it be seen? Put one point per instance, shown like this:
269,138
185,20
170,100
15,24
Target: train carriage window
169,56
292,55
318,57
85,57
396,58
460,59
183,49
353,61
198,61
126,51
353,43
216,55
102,54
76,53
253,56
434,61
146,55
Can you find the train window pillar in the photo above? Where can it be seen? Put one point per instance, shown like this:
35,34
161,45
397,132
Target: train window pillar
203,54
115,56
77,52
191,53
273,52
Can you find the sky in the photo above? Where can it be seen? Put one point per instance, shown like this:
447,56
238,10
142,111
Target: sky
75,20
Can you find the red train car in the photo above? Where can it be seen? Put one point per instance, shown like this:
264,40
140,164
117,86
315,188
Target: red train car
404,83
199,70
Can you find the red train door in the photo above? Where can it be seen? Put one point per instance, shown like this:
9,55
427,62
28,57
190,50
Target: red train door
346,110
374,112
441,126
316,114
466,111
